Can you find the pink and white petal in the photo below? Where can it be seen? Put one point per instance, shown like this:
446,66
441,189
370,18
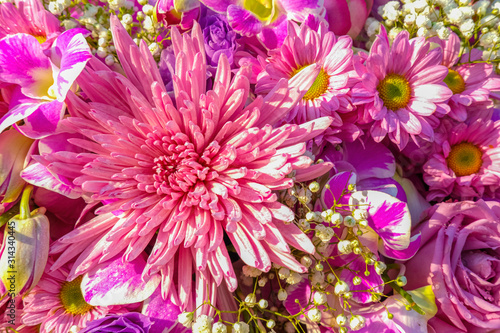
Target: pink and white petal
421,107
433,92
37,174
387,216
43,121
401,254
242,21
71,53
17,113
116,282
22,62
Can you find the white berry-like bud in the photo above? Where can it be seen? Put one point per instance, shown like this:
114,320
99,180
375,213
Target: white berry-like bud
380,267
319,298
185,319
127,19
109,60
283,273
102,52
341,287
263,304
341,319
357,322
401,281
219,328
356,280
241,327
262,281
314,187
250,300
337,219
314,315
330,278
311,216
349,221
203,324
344,247
148,9
306,261
271,323
282,294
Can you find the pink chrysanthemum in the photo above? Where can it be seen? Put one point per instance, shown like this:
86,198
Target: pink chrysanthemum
183,173
468,166
471,83
329,94
56,304
401,85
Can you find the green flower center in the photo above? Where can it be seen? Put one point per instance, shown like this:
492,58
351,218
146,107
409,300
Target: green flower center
394,90
319,86
72,298
455,81
465,159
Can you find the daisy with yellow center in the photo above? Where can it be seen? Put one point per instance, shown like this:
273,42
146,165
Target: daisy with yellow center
400,87
328,94
56,304
467,165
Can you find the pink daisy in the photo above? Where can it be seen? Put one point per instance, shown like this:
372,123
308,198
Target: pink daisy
56,304
183,173
470,83
401,86
329,94
468,166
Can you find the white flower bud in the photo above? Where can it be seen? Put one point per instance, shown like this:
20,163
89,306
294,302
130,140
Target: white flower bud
341,319
203,324
341,287
127,19
344,247
467,28
422,32
410,19
357,322
356,280
185,319
349,221
294,278
219,328
306,261
314,315
102,52
282,294
401,281
263,304
148,9
250,300
380,267
262,281
304,225
314,187
109,60
270,324
283,273
319,298
241,327
55,8
336,218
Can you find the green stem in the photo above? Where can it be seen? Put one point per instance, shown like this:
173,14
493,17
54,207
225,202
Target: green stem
24,208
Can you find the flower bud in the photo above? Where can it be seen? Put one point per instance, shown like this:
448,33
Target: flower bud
357,322
341,287
314,187
219,328
282,294
380,267
319,298
306,261
314,315
401,281
344,247
250,300
341,319
185,319
263,304
241,327
25,249
349,221
356,281
271,323
336,218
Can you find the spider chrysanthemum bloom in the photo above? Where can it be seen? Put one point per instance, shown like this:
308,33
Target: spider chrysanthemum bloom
329,93
183,172
56,304
468,166
401,85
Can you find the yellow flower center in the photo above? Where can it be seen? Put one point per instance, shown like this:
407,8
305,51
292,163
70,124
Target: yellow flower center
72,298
394,90
465,159
319,86
41,39
454,81
264,10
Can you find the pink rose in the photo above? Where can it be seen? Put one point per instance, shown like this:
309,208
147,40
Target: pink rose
460,258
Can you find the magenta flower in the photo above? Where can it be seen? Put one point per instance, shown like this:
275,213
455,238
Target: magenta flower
401,86
183,173
267,19
470,83
57,304
347,17
29,17
329,94
468,164
42,82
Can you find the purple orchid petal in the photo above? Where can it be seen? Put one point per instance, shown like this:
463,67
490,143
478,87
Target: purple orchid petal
299,9
300,291
387,216
338,185
164,313
386,185
371,159
116,282
219,6
70,53
243,21
22,62
273,36
37,174
43,121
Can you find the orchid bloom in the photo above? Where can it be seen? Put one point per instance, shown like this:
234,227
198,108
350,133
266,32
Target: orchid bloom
42,81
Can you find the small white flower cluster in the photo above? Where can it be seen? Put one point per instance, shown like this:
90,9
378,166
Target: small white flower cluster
58,6
205,324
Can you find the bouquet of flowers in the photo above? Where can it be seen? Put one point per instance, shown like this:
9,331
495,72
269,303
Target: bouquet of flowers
218,166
